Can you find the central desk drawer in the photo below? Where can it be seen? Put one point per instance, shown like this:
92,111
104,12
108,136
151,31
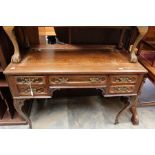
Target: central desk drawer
78,80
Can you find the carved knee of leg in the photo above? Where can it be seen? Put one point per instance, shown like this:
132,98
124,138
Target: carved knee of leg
133,57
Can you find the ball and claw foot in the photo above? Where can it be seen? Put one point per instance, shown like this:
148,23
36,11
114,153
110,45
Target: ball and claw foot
134,121
133,53
133,58
30,125
134,118
16,58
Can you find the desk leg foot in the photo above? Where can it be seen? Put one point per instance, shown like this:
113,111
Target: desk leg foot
19,103
134,118
126,100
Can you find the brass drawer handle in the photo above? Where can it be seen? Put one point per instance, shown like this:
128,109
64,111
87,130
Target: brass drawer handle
23,80
27,90
96,79
61,80
122,89
36,80
124,79
33,91
29,80
38,90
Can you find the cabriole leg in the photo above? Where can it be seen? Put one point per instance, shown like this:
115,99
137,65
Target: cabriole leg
133,110
126,100
19,103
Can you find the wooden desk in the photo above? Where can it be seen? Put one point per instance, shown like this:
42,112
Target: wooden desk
46,31
42,71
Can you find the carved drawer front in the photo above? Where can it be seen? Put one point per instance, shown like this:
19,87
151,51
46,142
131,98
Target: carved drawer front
30,79
120,79
78,80
122,89
26,90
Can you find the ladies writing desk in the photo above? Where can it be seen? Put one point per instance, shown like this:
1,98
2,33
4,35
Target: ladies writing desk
45,70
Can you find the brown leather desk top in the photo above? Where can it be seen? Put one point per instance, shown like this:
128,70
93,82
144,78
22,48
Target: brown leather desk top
57,61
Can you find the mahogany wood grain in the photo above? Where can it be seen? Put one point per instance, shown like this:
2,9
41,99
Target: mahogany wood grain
77,66
50,61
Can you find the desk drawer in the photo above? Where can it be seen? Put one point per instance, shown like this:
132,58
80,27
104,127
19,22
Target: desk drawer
30,79
122,89
123,79
26,90
78,80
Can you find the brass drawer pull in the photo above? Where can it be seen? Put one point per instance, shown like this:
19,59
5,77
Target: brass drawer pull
33,91
124,79
61,80
28,80
123,89
36,80
23,80
96,79
38,90
26,90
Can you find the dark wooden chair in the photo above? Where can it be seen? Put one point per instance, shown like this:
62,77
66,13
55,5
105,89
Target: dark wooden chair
146,55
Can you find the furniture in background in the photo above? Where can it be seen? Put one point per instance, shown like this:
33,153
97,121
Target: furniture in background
46,34
83,61
146,56
82,33
8,114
